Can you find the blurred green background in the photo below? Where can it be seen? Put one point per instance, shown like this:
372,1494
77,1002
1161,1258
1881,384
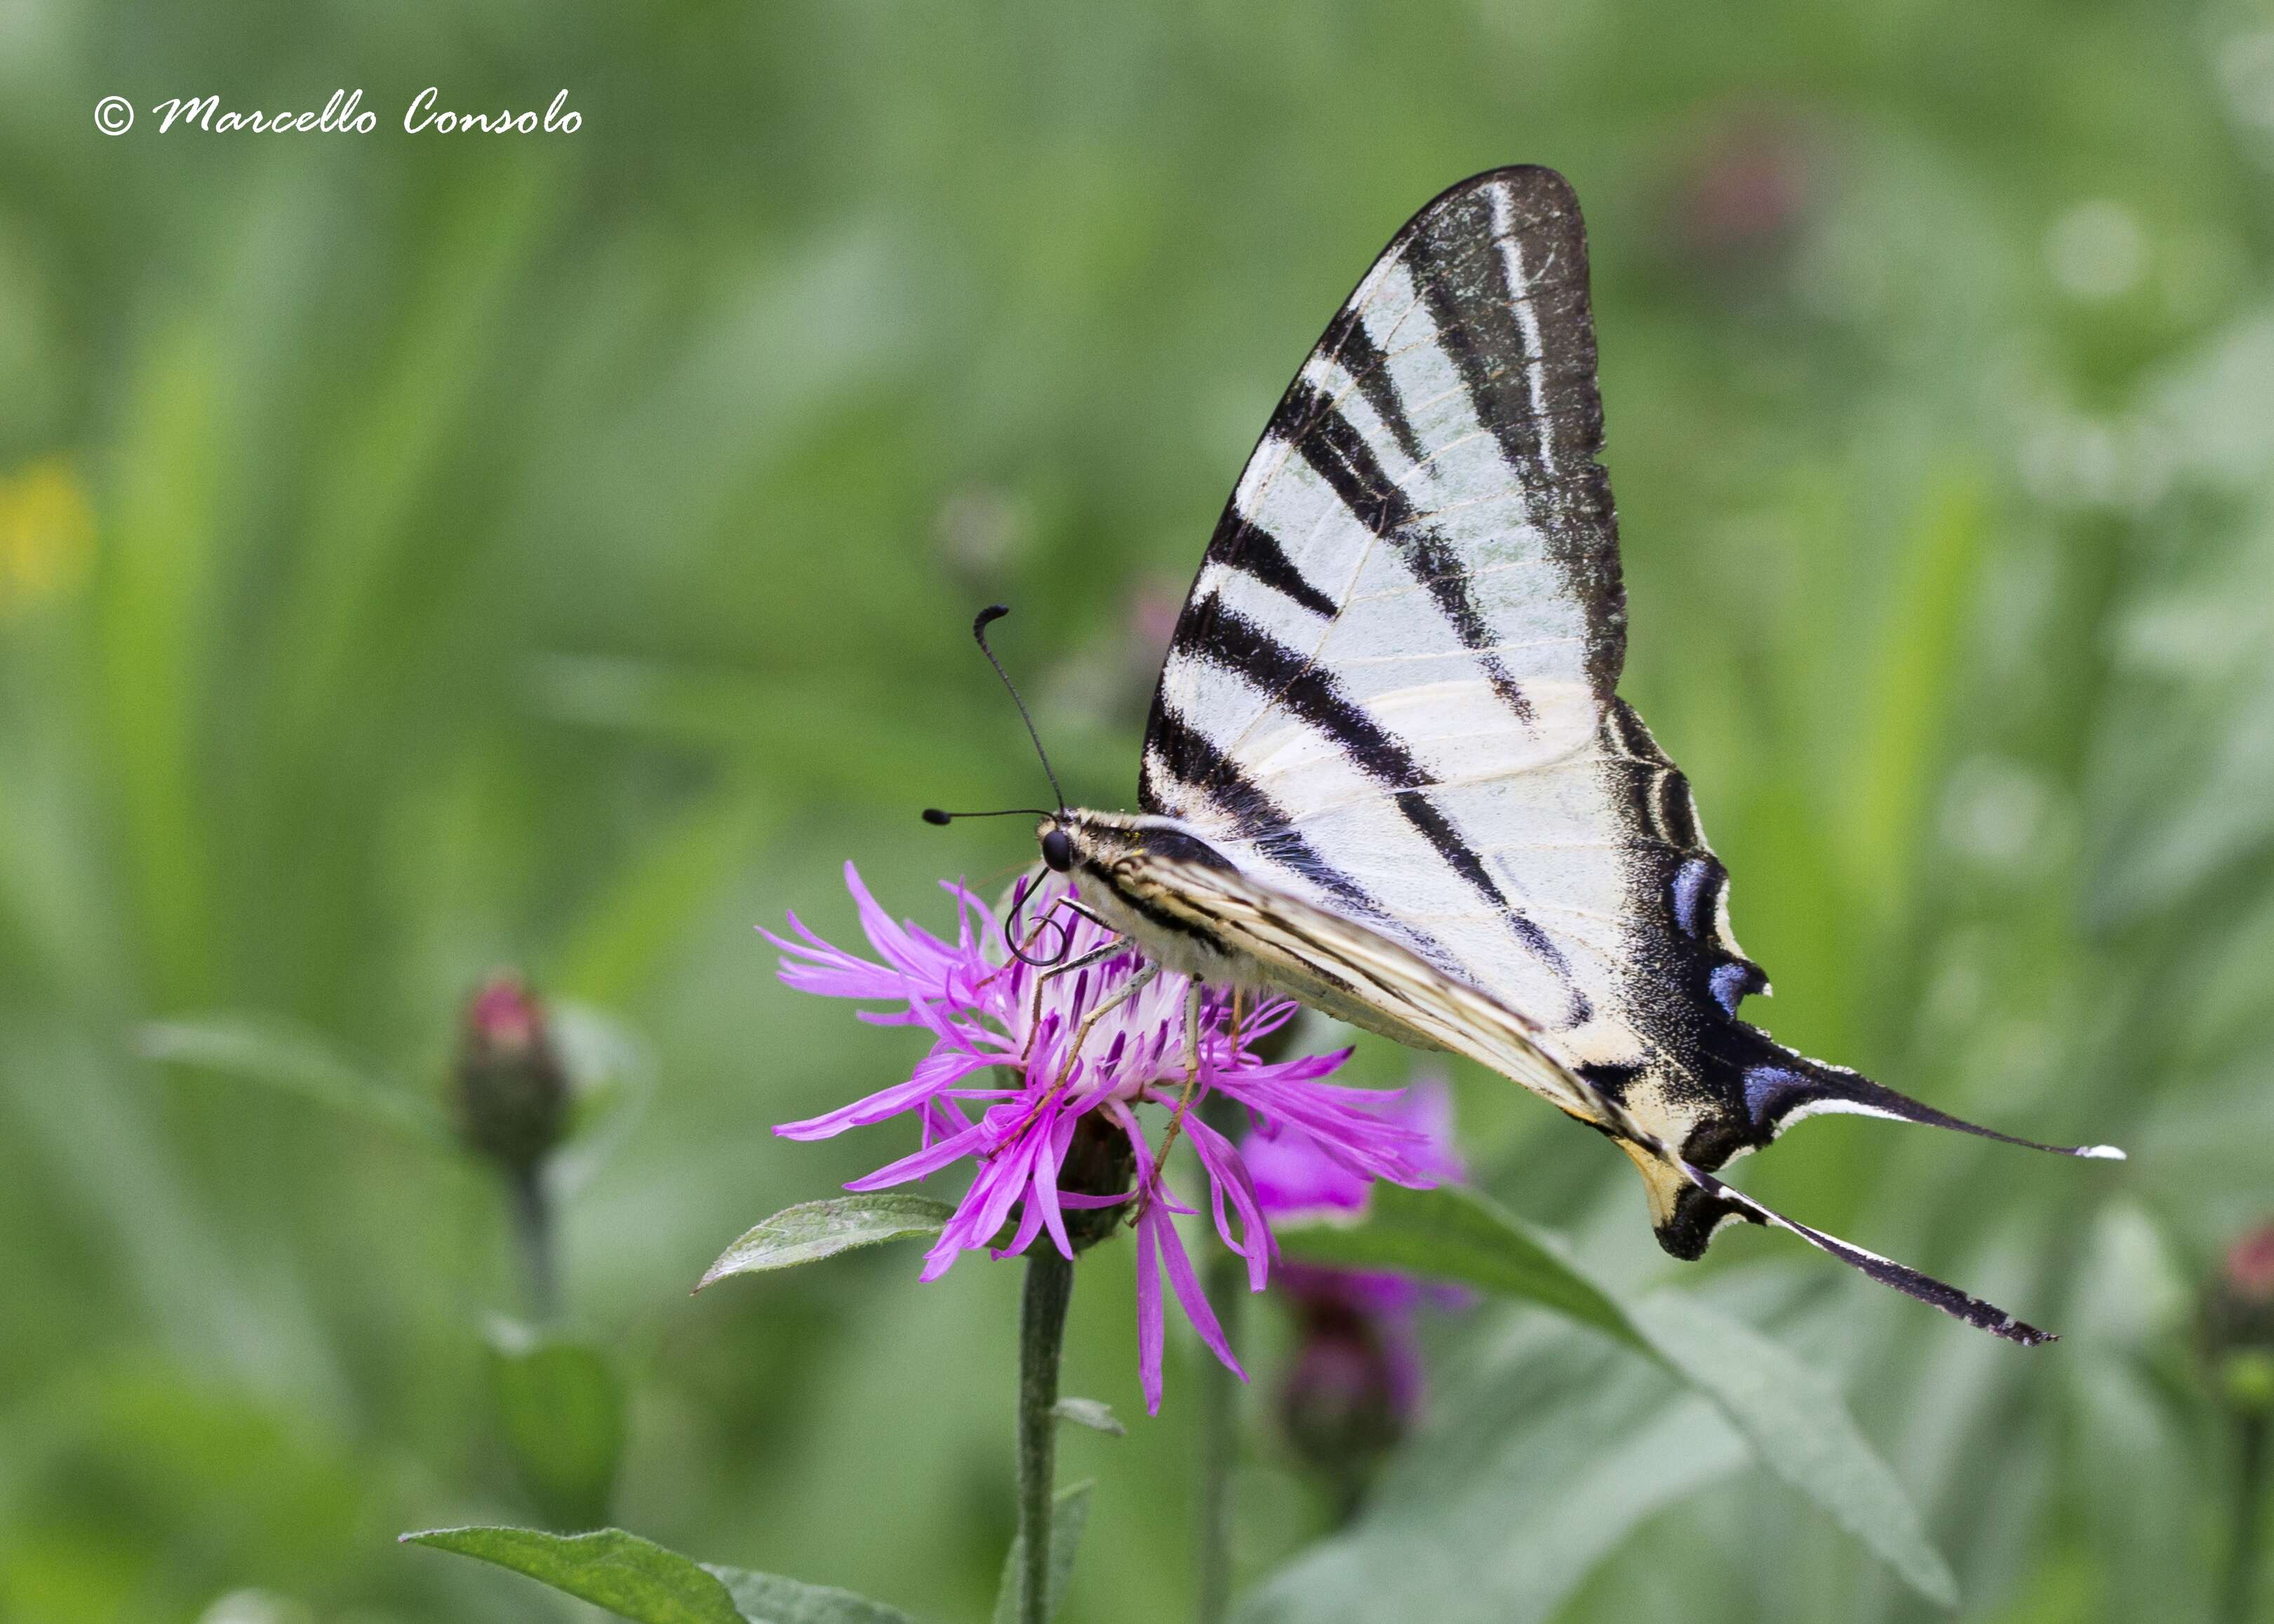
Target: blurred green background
423,554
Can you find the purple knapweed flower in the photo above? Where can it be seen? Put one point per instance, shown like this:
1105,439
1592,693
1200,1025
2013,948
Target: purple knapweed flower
1354,1388
1058,1137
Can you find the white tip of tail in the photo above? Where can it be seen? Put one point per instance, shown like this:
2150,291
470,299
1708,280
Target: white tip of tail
2101,1153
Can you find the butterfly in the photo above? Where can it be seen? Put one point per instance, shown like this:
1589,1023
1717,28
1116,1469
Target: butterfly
1388,771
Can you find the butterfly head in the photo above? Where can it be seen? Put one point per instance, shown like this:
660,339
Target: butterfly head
1097,844
1081,843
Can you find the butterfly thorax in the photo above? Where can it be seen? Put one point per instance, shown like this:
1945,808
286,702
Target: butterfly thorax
1155,880
1116,863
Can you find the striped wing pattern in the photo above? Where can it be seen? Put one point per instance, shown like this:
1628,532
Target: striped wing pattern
1392,691
1391,698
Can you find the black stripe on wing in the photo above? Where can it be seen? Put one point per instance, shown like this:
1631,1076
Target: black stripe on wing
1229,639
1190,758
1438,830
1255,551
1337,452
1348,341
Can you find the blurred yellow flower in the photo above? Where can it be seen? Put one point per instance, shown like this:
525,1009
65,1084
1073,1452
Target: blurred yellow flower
47,533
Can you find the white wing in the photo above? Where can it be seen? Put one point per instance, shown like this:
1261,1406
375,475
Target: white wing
1392,691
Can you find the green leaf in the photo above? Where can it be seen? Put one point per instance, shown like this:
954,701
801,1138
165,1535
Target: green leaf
1906,690
563,1413
632,1578
1799,1426
639,1580
1539,1463
769,1598
293,1062
1793,1417
1068,1518
1092,1413
1453,1233
821,1230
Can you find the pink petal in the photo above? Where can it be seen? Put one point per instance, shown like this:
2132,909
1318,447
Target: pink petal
1188,1290
1149,1329
1029,1223
927,1161
934,1072
1228,1177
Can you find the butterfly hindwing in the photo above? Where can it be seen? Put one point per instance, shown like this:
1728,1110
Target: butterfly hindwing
1349,970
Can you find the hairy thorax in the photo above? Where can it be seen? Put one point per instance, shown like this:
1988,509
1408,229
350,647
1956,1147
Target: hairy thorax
1119,863
1113,853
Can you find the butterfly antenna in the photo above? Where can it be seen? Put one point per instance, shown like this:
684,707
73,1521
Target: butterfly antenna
987,617
934,815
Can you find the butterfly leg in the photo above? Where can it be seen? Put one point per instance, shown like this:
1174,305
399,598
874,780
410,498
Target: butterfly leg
1136,984
1185,1100
1035,1014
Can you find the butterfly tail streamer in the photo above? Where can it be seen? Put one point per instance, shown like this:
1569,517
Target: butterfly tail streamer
1710,1202
1974,1311
1791,1088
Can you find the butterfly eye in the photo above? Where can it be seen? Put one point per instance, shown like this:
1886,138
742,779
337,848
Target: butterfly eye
1058,850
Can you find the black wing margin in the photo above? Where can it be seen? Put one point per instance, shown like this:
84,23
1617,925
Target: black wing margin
1717,1088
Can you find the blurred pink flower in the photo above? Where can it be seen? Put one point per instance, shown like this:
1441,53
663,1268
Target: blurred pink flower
2250,1266
1057,1138
1356,1384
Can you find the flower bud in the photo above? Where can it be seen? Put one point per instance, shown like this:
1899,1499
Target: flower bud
2238,1324
512,1096
1351,1392
1098,1161
1742,199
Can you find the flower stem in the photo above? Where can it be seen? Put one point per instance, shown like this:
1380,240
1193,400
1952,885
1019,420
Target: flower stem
1042,1339
1226,1285
532,1222
2249,1499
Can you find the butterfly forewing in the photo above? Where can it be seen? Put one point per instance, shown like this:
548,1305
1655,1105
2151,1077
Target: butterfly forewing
1418,568
1392,690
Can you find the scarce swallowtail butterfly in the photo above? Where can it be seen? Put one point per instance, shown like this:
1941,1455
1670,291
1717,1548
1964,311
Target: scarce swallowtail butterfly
1388,771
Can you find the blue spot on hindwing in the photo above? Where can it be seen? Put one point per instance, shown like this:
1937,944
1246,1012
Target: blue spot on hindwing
1690,883
1767,1087
1731,981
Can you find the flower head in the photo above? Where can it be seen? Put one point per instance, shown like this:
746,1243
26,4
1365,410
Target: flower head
2249,1273
2237,1323
1037,1079
1354,1388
